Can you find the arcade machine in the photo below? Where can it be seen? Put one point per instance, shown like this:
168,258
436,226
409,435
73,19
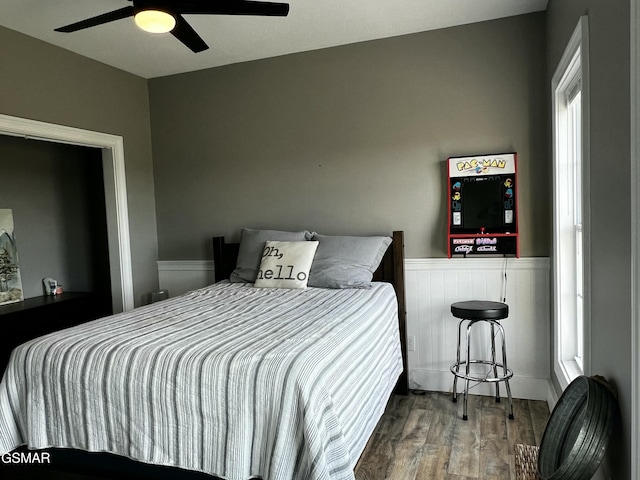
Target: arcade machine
483,209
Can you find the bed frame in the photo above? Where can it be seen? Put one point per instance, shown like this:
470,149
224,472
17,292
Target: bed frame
90,466
391,270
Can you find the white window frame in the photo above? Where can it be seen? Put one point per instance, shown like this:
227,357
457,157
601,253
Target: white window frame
573,65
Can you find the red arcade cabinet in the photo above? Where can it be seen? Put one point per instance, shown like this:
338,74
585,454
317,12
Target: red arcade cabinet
482,206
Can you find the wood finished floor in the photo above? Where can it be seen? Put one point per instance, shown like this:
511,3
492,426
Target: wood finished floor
423,437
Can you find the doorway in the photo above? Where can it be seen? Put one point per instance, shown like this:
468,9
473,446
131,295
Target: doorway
112,149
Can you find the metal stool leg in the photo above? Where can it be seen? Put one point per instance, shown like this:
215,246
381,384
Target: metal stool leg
493,359
457,365
466,370
505,370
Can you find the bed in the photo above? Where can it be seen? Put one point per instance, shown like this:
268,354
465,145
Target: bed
230,381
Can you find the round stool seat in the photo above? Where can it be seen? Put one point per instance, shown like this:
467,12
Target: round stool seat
480,310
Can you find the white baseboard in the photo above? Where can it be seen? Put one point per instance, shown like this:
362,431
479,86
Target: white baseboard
521,387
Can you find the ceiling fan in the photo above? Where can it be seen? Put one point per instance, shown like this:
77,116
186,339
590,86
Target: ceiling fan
162,16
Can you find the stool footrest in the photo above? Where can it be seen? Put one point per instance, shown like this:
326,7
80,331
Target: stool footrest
455,369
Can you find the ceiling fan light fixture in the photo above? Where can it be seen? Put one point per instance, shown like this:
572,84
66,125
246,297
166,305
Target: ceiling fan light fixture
155,21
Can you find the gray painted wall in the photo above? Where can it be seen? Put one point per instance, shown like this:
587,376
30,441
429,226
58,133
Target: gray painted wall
609,45
49,84
351,139
56,193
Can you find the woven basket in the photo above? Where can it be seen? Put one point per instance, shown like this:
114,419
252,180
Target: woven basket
526,460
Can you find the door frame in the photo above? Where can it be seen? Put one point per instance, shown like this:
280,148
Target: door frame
115,187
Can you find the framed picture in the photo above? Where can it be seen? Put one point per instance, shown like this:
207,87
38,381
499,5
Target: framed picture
10,282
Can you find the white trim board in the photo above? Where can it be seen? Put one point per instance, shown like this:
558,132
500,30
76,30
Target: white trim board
521,387
181,276
477,263
185,265
115,193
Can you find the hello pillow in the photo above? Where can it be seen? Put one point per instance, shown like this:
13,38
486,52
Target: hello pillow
286,264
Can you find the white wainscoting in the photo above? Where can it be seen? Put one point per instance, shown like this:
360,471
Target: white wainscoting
182,276
433,284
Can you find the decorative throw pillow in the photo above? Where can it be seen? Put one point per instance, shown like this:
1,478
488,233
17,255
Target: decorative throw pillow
250,251
286,264
346,262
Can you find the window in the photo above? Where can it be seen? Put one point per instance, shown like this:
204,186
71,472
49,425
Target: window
571,201
574,137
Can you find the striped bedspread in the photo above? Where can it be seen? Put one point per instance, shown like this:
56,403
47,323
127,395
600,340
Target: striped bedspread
230,380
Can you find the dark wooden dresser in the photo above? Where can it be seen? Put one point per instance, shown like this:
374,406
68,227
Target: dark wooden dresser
34,317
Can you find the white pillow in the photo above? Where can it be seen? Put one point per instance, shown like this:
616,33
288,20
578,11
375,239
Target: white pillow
250,251
286,264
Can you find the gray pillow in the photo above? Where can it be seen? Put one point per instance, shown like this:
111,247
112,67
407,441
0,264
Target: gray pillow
346,262
251,247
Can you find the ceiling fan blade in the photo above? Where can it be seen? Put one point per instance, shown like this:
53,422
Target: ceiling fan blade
233,7
99,20
187,35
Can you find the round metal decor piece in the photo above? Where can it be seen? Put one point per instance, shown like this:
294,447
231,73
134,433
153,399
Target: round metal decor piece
578,432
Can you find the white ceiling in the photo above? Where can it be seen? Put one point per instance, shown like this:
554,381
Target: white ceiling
310,25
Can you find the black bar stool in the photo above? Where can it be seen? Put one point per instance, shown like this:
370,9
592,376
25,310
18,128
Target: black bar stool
475,311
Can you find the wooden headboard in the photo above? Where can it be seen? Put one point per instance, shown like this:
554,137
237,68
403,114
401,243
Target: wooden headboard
391,270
